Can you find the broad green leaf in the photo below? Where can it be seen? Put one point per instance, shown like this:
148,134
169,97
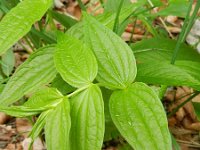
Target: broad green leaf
116,62
153,57
140,117
87,113
36,71
19,20
45,98
75,61
20,111
161,49
167,74
61,85
39,125
8,62
57,127
175,8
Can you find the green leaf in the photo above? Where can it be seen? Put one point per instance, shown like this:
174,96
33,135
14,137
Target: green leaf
45,98
139,116
153,57
36,71
113,5
39,125
61,85
67,21
87,113
58,126
106,19
116,63
20,111
161,49
19,20
175,8
75,61
167,74
8,62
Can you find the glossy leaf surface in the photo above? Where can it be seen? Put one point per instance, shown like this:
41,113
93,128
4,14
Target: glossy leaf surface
19,20
116,63
87,113
57,127
140,117
75,61
161,49
36,71
45,98
153,57
20,111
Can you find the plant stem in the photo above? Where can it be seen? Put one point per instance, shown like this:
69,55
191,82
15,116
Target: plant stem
183,33
192,20
78,91
182,104
82,6
132,32
116,23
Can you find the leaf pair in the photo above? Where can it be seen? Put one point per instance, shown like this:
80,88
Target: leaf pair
132,106
87,119
77,65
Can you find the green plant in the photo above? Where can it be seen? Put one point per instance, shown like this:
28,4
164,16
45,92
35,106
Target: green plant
80,64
